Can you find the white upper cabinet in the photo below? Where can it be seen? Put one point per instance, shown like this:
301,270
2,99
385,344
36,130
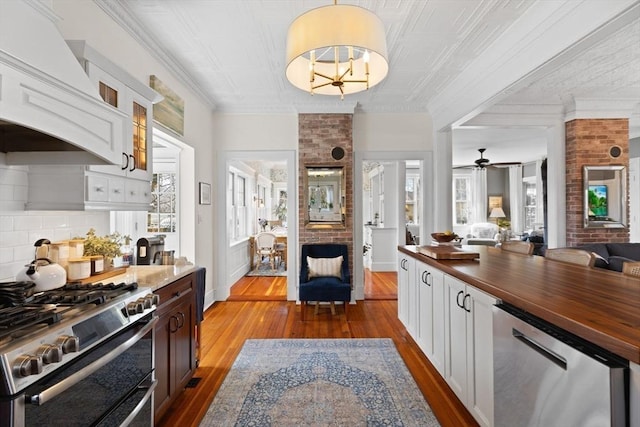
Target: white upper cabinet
126,186
136,155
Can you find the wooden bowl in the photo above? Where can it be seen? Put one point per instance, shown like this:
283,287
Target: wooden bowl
443,238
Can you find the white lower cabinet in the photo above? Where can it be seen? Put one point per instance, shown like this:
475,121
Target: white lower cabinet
430,331
469,347
452,323
406,289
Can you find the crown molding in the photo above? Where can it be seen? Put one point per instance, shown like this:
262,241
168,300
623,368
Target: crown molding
593,108
517,116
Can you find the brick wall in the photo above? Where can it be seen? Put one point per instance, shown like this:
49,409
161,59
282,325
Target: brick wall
318,134
587,144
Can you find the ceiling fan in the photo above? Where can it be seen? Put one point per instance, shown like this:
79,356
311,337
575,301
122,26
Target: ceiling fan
483,162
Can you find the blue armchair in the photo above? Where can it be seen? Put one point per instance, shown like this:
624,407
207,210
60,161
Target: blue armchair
327,279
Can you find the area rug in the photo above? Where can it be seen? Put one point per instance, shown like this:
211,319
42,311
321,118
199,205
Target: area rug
319,382
264,269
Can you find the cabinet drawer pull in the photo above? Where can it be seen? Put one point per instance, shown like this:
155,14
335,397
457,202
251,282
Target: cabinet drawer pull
99,189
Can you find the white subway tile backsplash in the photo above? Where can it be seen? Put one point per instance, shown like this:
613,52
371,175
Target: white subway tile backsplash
13,238
19,229
24,252
6,223
55,221
6,255
27,222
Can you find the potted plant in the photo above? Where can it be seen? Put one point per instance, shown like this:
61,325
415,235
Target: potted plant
108,246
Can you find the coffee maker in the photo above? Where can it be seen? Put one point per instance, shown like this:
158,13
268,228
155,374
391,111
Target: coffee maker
147,247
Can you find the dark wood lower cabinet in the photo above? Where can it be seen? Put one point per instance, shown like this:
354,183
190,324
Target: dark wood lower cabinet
174,341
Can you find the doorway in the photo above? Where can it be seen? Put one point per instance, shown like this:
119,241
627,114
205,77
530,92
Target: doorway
254,182
393,187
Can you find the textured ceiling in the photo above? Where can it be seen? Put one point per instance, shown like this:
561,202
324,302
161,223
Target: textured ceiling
232,52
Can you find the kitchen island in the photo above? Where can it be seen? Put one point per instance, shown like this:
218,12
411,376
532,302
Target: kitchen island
600,306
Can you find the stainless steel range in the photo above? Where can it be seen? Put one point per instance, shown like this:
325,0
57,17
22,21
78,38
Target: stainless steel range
79,355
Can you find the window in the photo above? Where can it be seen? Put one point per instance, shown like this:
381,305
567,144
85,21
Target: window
529,191
412,189
161,217
237,206
461,199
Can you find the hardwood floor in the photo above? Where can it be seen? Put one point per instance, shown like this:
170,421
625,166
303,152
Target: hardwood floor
229,323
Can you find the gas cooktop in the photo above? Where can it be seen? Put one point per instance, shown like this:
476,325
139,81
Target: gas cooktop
49,329
22,310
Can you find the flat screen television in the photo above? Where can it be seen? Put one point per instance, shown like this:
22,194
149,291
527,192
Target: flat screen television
598,199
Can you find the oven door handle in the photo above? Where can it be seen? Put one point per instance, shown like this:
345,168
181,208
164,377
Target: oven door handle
141,404
48,394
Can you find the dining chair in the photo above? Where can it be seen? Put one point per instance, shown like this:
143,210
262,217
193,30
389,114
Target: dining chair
631,268
518,246
571,256
281,246
265,243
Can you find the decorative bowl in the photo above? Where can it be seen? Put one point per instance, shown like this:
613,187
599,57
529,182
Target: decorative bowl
444,238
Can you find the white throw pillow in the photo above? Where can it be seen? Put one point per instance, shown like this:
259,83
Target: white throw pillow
324,267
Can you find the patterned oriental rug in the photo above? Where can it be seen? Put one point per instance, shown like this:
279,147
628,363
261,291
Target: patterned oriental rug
319,382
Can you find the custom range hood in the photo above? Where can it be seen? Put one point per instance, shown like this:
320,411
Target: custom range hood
50,112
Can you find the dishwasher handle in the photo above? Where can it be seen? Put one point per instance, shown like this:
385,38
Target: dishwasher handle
544,351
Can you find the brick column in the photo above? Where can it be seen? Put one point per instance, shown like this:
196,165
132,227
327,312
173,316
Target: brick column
588,142
318,134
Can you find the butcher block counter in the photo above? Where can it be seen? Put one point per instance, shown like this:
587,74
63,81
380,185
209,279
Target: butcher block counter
600,306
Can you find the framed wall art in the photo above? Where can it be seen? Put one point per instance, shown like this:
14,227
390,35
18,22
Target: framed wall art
205,193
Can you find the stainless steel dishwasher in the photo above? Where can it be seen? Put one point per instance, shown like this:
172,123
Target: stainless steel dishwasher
547,377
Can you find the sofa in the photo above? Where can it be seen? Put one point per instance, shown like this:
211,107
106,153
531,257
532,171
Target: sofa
482,233
612,256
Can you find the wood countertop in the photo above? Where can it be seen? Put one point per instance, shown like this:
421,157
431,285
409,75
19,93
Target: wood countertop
600,306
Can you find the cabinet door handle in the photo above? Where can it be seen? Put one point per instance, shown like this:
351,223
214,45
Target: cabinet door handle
181,324
173,320
464,303
425,278
125,157
133,163
458,299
